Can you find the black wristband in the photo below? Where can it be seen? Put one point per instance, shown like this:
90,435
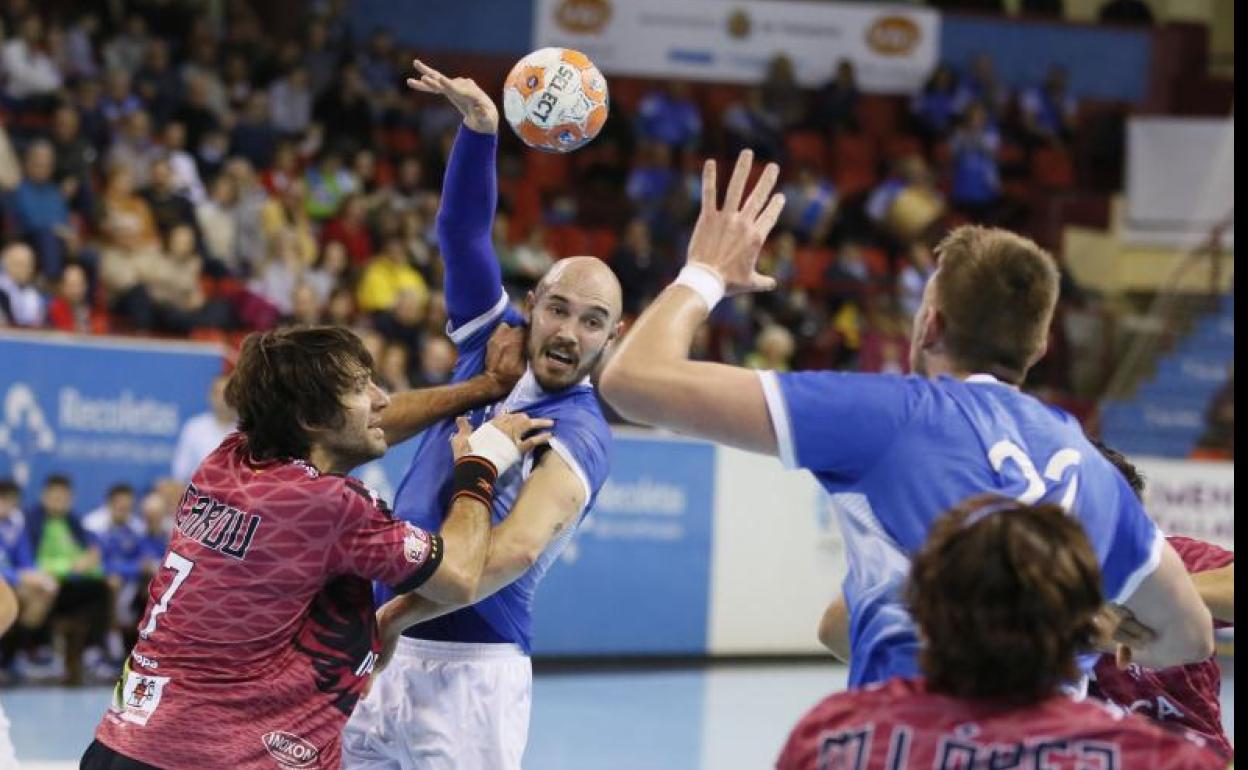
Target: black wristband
474,477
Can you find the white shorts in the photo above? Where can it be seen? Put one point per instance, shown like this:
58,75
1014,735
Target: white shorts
8,758
443,706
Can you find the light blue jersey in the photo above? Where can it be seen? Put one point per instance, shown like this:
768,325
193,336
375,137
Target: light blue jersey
894,453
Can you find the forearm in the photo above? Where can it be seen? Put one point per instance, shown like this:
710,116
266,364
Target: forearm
412,411
1217,588
8,606
650,379
465,541
473,278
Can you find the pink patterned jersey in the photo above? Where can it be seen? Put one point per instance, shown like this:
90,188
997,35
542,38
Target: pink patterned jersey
900,725
259,635
1185,695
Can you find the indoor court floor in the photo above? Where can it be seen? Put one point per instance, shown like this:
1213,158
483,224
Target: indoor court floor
721,717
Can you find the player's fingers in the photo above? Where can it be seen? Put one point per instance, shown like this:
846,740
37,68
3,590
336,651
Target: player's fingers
1122,657
762,188
427,71
736,184
532,442
760,282
767,220
535,424
708,186
463,428
421,85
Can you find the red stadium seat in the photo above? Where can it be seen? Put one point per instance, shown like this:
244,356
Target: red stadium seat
602,243
877,115
810,265
901,146
1052,168
716,98
567,241
626,92
547,170
806,148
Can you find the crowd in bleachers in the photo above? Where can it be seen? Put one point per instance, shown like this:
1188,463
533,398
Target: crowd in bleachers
174,176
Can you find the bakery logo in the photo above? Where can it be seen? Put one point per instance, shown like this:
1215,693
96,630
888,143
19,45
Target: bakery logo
583,17
893,36
291,751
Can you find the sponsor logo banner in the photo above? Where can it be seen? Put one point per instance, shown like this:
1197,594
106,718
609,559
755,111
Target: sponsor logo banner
893,47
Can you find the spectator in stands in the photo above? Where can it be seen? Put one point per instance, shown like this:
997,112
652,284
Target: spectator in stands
249,211
982,85
836,102
31,75
350,226
809,205
408,188
376,63
21,303
169,207
344,110
670,116
529,260
934,108
392,368
751,124
71,309
80,46
330,271
118,503
174,286
40,211
920,264
203,433
195,112
403,324
1050,111
437,360
782,96
305,306
885,340
67,552
340,308
290,102
285,167
156,82
321,58
329,182
187,180
125,50
976,187
95,128
1126,12
385,276
135,147
638,265
121,559
119,101
254,136
36,590
274,282
237,82
1218,440
773,349
651,179
75,159
217,220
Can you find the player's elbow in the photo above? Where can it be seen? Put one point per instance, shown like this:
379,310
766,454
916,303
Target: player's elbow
460,585
623,387
1188,639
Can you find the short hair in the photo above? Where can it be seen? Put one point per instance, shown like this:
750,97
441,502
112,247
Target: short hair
119,489
9,488
57,480
1004,594
996,291
290,380
1128,470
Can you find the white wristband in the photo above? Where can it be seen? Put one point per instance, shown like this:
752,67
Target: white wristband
704,281
494,445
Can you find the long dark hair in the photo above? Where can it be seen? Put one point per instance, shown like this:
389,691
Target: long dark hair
290,380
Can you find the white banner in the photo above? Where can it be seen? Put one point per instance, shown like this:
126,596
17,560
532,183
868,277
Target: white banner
1195,499
1180,181
893,48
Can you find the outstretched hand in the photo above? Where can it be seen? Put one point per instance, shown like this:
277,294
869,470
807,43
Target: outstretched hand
479,111
727,240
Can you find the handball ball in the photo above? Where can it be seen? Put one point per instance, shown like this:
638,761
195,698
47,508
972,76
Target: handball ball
555,99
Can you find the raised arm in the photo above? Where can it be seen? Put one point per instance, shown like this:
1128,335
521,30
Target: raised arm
473,279
650,378
411,411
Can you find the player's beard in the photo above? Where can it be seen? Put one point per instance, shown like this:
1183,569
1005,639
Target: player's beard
537,358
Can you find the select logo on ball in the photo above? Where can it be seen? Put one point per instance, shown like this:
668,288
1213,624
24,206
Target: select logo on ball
583,17
555,99
894,36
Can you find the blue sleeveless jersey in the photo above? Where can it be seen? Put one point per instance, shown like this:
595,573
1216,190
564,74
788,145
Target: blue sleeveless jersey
894,453
580,436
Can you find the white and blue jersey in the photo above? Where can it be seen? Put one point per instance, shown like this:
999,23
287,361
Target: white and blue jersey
895,453
476,305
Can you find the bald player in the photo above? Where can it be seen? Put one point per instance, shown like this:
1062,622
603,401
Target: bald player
456,691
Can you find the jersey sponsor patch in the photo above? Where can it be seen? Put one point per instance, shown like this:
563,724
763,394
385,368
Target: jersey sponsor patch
290,751
138,696
416,545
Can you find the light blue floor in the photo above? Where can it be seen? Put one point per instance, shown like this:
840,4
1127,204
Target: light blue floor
725,718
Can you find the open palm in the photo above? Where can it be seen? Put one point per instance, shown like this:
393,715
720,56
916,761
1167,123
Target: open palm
479,111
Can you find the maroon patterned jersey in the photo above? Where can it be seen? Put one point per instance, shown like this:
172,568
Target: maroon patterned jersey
1185,695
259,635
900,725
